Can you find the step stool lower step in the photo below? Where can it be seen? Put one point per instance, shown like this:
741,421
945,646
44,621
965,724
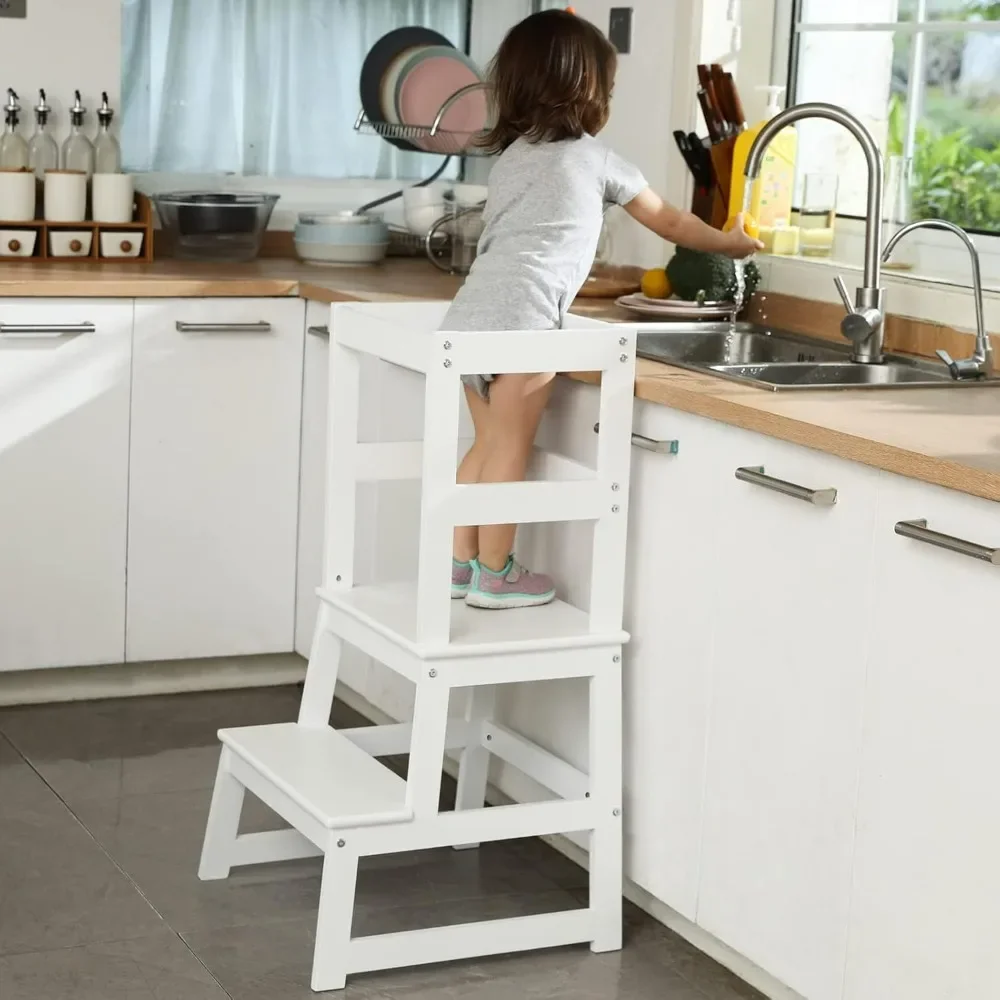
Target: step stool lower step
320,771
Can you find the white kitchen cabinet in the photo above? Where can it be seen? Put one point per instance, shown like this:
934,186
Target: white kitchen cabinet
789,627
64,424
926,905
671,611
213,504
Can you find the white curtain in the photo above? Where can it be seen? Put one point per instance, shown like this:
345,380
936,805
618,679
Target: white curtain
262,87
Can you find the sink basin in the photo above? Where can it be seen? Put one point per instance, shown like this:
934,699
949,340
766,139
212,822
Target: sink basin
777,360
838,375
720,344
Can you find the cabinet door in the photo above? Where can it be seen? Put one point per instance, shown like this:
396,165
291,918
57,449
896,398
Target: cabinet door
790,647
216,404
926,908
670,610
64,397
671,580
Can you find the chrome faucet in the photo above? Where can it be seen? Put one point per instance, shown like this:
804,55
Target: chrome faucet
864,322
980,365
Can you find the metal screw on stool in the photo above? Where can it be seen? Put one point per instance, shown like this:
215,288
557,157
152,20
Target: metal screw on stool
616,812
616,659
615,509
432,673
623,341
341,843
447,345
615,487
447,363
623,358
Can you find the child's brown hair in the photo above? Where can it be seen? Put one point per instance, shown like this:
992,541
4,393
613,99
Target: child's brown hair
552,79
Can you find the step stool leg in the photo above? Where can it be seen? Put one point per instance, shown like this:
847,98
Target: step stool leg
606,794
336,913
474,764
321,675
223,822
430,724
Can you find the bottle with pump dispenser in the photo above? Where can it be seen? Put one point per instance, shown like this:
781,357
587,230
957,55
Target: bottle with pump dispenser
771,200
13,148
78,150
107,152
43,152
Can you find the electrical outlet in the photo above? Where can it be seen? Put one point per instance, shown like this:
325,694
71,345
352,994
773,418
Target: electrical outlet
620,29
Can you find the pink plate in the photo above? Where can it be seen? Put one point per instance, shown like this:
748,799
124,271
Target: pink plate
426,87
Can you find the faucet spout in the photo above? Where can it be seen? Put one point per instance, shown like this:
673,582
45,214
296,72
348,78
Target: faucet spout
981,363
864,324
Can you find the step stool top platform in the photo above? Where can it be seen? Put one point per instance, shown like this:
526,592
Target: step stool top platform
322,771
391,610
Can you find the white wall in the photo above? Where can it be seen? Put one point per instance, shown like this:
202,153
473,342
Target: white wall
63,45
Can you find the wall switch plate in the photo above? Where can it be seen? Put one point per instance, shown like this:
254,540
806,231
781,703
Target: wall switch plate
620,29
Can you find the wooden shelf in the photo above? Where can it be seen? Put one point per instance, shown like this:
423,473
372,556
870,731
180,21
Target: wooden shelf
141,223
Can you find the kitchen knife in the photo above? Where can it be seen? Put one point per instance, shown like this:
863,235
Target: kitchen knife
716,130
739,115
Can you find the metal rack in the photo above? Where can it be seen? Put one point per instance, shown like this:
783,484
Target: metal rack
445,142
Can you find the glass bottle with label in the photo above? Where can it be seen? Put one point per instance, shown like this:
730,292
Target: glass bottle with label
107,152
43,153
78,150
13,148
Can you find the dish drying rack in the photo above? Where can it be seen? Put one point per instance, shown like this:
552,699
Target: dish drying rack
447,143
450,143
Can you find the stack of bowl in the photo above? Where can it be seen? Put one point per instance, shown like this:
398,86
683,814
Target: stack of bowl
340,238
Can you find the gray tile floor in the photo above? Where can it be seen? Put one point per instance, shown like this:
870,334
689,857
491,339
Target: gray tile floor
102,809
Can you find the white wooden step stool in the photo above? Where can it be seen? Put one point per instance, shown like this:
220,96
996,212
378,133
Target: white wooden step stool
338,799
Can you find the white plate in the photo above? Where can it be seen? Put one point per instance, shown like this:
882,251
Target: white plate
641,305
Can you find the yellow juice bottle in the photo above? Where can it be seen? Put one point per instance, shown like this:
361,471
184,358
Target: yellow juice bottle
771,203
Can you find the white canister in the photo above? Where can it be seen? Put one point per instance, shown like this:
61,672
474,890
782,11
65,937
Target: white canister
17,195
65,195
112,196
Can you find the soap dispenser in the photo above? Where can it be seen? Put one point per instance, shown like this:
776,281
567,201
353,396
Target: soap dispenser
43,153
78,150
13,148
107,152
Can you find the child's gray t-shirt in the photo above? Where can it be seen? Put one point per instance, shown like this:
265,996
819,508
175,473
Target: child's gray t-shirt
542,223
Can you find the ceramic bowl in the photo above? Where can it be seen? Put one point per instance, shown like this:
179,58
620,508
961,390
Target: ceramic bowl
341,254
347,234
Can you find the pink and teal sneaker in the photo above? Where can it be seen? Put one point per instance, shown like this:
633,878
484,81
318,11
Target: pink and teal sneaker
512,587
461,578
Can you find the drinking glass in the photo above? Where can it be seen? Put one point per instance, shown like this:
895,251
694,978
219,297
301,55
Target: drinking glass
896,211
818,214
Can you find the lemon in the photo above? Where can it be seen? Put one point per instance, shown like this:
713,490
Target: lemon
750,226
656,284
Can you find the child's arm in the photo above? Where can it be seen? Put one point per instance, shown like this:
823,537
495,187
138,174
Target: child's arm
687,230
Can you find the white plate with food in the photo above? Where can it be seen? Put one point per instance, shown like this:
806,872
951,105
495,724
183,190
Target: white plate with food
667,309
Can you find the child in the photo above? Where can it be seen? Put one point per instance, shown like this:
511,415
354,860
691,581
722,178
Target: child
552,80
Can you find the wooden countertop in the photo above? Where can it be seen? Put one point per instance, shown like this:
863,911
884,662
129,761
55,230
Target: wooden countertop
393,281
947,437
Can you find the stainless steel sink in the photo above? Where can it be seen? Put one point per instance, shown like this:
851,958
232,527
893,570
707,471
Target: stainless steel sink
777,360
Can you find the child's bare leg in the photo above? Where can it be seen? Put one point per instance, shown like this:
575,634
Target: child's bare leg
466,544
512,422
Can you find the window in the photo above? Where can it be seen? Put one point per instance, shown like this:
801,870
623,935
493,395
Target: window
262,87
924,76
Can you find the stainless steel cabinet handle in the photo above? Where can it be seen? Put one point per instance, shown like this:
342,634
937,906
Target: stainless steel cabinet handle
261,327
919,532
757,477
666,447
319,331
44,329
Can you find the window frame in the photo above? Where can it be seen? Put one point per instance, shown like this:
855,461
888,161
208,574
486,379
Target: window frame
789,13
330,191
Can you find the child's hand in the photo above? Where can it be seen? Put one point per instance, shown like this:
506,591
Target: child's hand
739,243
